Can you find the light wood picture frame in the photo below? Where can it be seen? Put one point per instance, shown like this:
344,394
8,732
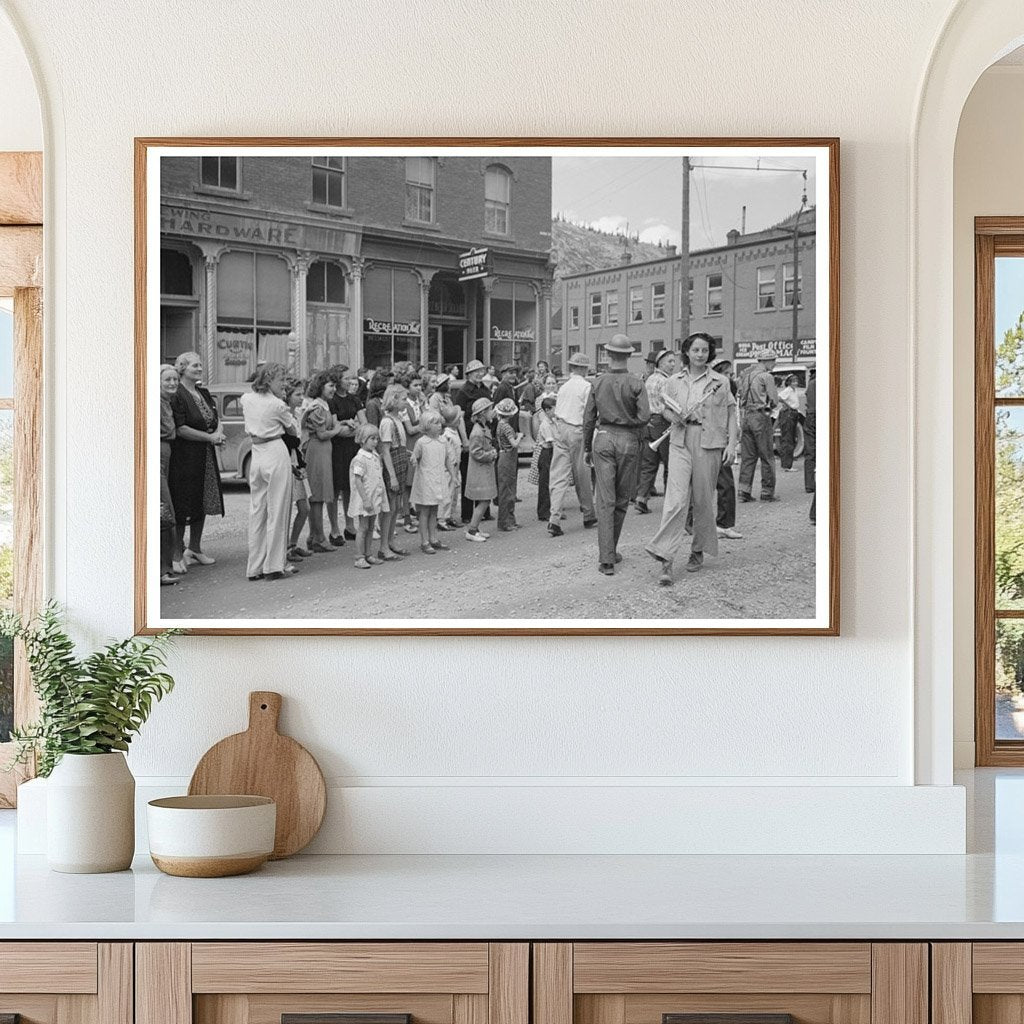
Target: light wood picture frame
210,206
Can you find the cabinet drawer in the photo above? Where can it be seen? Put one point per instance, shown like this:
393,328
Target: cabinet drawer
66,967
635,967
730,983
333,983
340,967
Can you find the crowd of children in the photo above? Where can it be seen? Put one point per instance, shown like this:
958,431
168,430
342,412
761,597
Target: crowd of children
383,452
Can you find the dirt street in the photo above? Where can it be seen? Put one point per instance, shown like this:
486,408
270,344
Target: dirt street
525,574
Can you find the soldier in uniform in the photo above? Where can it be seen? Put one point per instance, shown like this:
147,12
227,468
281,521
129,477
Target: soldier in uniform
758,397
617,409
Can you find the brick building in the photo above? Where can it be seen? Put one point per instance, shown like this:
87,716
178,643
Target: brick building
317,260
740,293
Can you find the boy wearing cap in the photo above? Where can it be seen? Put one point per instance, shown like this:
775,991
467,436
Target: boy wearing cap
617,409
567,456
506,387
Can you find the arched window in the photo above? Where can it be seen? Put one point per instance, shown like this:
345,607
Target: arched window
325,282
497,200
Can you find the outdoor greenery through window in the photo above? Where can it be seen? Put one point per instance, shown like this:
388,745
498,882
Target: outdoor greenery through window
1009,496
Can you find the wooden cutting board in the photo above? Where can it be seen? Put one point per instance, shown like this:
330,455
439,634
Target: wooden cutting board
262,762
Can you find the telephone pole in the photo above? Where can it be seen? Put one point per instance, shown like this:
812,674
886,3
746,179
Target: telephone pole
796,271
684,255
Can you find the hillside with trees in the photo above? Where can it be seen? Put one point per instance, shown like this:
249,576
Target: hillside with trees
576,248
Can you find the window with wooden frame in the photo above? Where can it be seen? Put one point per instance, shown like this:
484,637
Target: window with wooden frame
999,490
21,363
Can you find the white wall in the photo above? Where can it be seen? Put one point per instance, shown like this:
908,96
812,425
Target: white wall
21,126
987,182
428,717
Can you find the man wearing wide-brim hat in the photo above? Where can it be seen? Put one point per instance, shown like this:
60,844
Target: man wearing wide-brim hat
471,390
568,465
617,410
758,398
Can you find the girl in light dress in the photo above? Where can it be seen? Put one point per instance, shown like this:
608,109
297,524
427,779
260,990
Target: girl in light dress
454,435
369,497
432,480
395,457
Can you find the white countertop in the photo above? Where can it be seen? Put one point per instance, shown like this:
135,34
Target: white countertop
977,896
497,897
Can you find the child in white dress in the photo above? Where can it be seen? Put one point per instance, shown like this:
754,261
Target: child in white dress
369,495
432,482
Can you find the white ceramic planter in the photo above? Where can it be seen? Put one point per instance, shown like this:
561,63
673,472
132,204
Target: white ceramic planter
90,814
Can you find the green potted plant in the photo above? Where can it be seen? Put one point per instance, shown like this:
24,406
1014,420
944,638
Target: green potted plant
90,708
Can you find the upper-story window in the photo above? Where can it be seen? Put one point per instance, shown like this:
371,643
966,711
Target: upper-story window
574,317
595,309
497,200
612,308
787,287
658,300
419,188
636,304
714,293
219,172
329,180
765,287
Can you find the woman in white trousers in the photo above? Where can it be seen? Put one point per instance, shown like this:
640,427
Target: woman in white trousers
267,421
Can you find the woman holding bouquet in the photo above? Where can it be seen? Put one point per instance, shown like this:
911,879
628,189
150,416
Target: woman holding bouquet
705,433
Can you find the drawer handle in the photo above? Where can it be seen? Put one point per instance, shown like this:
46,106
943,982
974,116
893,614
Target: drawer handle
727,1018
339,1018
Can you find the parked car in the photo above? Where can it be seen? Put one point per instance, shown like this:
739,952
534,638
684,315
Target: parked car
234,454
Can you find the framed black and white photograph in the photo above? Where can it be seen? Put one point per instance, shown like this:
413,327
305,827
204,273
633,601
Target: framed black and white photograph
452,386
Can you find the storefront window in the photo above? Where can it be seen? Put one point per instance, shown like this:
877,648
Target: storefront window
253,313
513,323
391,322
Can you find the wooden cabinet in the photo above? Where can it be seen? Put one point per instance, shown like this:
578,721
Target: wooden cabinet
66,982
757,982
310,983
494,983
978,983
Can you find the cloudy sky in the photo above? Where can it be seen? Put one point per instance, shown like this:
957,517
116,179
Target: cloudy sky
645,193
